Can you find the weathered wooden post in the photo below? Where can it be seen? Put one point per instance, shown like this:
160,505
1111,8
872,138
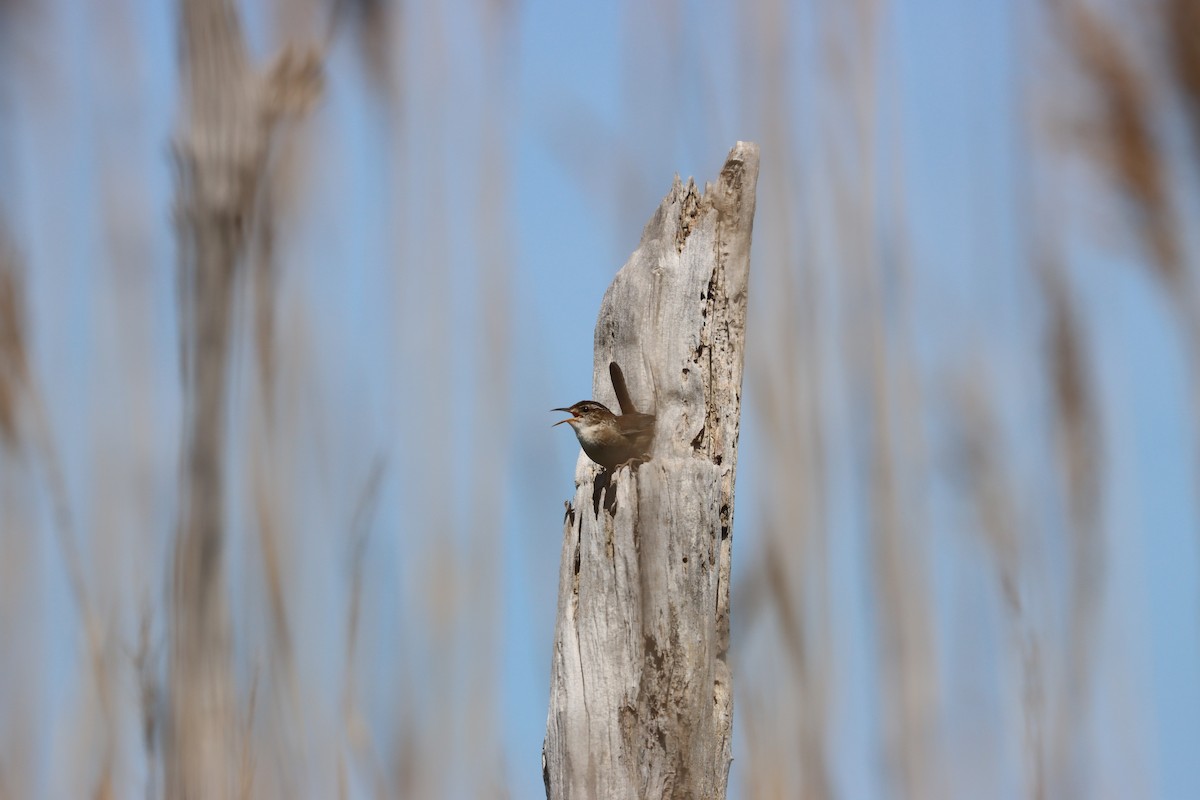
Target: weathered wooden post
641,700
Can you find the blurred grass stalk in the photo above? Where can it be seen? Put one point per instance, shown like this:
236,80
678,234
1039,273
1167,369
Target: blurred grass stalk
1052,623
845,411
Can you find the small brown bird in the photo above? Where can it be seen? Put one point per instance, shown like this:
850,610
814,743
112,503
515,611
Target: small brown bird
608,439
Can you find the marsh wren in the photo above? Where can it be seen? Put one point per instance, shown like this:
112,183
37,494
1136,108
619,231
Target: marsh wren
608,439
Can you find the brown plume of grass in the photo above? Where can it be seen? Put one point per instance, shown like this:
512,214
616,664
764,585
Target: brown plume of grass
1129,150
1181,27
1127,119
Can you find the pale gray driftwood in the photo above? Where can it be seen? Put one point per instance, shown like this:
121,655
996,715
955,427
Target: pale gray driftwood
641,701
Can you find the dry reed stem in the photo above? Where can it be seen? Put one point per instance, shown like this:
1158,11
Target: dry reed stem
292,86
883,373
997,507
372,25
1079,453
494,367
360,529
790,582
1066,365
14,364
248,762
145,668
21,400
222,159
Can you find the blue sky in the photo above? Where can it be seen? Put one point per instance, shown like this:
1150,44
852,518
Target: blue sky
599,107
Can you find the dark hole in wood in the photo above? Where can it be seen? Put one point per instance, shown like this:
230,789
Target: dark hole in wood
602,490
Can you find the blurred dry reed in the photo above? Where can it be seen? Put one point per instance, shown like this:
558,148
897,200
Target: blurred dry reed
222,691
880,379
14,361
920,573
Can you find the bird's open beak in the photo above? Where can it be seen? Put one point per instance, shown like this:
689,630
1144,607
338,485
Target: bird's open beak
568,419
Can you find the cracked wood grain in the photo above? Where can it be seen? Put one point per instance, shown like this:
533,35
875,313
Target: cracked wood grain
641,702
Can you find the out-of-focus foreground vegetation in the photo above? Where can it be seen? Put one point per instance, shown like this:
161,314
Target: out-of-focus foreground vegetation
288,552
